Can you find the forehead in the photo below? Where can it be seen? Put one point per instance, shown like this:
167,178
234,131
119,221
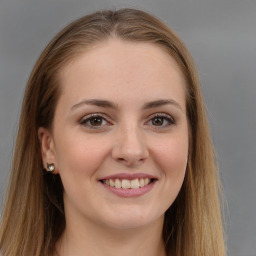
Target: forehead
116,68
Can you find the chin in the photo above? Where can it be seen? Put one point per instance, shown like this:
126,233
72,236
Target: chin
132,219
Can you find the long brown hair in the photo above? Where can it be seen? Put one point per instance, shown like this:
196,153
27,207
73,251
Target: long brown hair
33,217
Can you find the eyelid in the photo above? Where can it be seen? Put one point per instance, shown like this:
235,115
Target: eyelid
167,117
86,118
162,114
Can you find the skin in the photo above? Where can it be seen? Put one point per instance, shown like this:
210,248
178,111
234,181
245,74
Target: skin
127,139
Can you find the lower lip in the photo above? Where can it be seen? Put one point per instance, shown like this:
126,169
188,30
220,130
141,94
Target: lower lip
130,192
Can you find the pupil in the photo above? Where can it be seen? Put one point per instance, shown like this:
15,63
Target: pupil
96,121
158,121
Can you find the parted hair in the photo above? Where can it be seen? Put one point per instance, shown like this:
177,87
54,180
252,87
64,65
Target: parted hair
33,216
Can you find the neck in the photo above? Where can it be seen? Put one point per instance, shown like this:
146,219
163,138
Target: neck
96,240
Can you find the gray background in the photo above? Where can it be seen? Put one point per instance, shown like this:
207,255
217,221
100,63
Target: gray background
221,36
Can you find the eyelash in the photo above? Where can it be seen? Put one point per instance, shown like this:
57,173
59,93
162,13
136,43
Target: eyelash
164,117
85,120
90,117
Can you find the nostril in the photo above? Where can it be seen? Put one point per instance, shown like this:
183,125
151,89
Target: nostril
129,154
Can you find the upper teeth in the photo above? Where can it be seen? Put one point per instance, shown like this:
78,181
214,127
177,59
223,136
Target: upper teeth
124,183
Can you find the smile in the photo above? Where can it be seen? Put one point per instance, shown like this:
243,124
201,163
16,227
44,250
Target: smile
128,184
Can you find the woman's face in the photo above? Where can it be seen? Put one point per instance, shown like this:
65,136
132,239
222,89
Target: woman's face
120,135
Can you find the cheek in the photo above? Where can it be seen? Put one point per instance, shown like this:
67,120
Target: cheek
78,156
172,158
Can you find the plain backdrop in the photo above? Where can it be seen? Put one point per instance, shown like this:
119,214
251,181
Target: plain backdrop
220,34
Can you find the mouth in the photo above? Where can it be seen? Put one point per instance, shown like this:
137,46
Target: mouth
128,183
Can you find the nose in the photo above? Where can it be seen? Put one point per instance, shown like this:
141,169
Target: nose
130,147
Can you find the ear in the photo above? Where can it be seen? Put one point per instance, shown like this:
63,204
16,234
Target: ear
47,148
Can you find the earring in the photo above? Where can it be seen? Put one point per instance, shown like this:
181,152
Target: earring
50,167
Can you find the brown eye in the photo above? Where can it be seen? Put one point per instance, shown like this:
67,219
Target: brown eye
96,121
161,120
158,121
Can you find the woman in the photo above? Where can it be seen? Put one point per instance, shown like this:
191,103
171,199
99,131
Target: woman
113,153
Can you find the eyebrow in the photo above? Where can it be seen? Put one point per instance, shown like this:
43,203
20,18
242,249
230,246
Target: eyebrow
95,102
162,102
109,104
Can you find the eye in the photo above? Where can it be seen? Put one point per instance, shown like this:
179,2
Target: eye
94,121
161,120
